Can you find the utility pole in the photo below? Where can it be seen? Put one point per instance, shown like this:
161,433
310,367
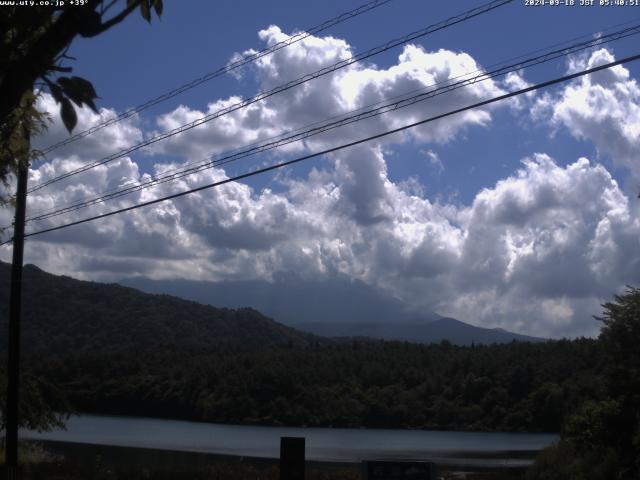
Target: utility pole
15,308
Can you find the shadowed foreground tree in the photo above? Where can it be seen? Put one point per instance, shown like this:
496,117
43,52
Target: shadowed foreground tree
33,48
34,40
602,440
44,407
620,337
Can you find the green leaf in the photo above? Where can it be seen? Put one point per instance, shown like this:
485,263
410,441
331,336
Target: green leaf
68,114
56,91
157,5
131,2
145,10
79,90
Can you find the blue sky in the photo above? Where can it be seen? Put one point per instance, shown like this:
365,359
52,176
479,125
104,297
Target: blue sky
522,215
137,61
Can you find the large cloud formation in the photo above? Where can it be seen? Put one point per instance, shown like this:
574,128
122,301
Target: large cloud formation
536,252
603,108
349,89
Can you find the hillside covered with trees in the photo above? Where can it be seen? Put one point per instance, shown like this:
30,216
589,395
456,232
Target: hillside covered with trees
62,314
514,387
103,348
115,350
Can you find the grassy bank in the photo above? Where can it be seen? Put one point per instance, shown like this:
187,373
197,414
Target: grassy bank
67,461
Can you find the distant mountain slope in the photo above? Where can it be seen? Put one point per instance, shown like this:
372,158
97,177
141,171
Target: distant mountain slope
338,308
291,300
455,331
433,331
61,313
64,314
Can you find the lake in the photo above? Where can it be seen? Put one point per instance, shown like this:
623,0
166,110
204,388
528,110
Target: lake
322,444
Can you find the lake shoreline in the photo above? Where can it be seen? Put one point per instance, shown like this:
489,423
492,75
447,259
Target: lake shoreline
89,456
320,425
336,446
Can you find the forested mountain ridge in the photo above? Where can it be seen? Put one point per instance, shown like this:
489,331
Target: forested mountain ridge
113,349
62,314
510,387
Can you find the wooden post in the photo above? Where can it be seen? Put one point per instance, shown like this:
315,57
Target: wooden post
292,458
15,306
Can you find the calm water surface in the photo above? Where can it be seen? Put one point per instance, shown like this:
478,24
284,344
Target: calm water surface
322,444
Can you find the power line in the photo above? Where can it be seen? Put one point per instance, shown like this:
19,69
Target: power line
343,146
305,132
166,176
291,84
221,71
596,38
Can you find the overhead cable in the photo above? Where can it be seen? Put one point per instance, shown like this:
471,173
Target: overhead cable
241,62
320,127
281,88
521,91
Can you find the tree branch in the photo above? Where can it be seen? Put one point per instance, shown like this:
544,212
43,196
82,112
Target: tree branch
106,8
56,68
113,20
22,73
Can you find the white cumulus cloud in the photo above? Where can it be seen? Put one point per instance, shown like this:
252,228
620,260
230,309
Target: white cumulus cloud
603,108
536,252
